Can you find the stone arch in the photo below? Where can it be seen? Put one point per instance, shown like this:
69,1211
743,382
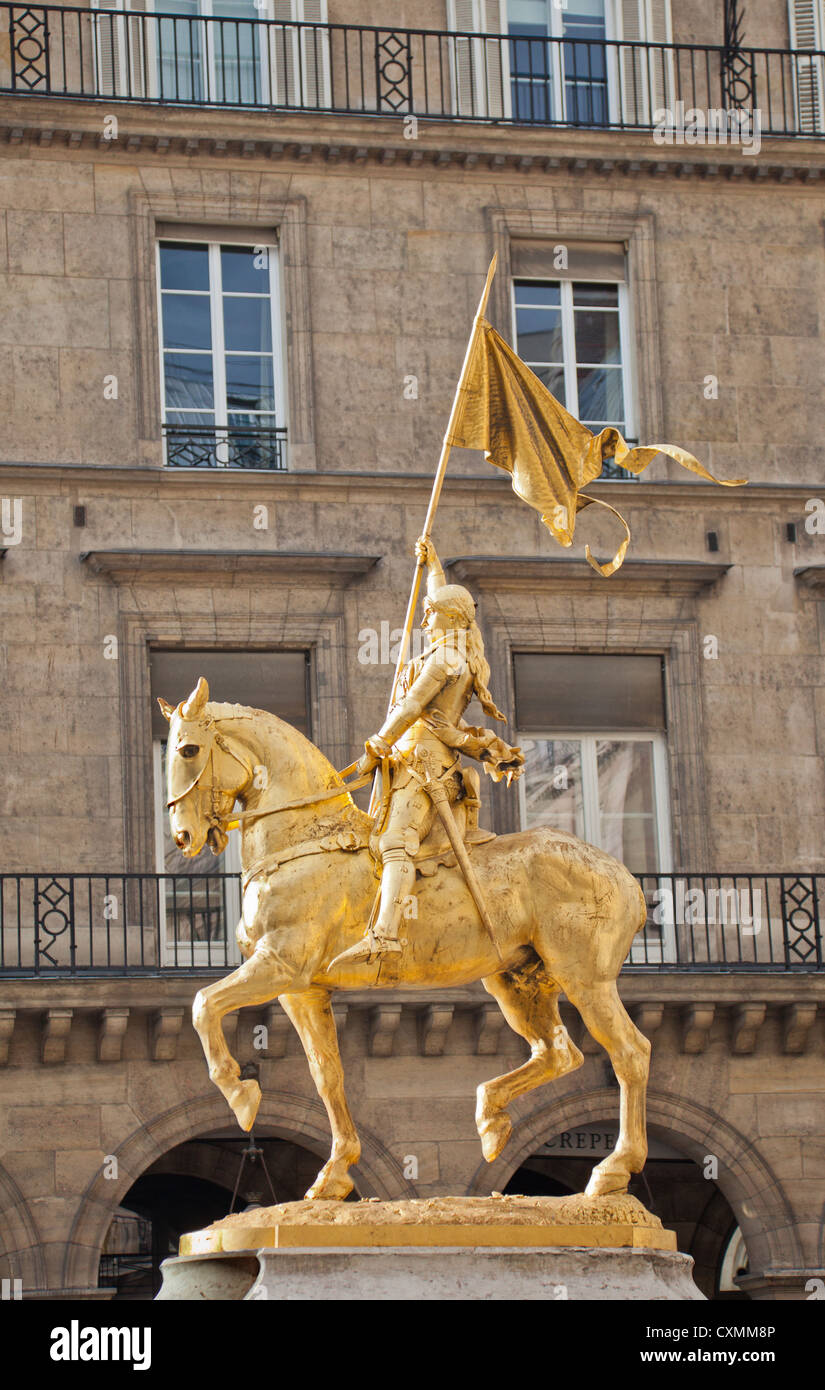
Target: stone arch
745,1178
299,1119
21,1251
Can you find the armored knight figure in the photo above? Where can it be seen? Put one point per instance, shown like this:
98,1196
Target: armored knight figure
422,737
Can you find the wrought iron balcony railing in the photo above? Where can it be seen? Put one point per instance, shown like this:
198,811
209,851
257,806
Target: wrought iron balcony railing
58,925
379,71
233,446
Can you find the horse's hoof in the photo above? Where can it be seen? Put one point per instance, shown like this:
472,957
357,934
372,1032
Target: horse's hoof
328,1189
495,1135
245,1099
606,1184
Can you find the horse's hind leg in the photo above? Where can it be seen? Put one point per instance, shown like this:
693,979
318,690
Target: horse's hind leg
528,998
607,1020
312,1018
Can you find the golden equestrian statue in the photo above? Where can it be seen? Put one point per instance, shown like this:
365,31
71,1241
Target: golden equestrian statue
529,915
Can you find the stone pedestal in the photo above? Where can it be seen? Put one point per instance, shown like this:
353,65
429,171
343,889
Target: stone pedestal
443,1273
442,1248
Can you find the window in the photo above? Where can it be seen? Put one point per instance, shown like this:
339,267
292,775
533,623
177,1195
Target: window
200,898
593,731
221,368
573,333
807,27
565,81
214,51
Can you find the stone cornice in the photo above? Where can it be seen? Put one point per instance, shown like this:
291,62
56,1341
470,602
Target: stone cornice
564,576
219,483
340,140
811,577
221,567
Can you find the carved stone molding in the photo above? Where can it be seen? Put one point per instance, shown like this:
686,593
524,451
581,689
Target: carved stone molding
697,1021
56,1026
434,1024
600,222
594,627
648,1017
263,628
746,1023
811,577
211,566
7,1020
273,216
797,1022
488,1023
111,1032
165,1027
383,1026
531,573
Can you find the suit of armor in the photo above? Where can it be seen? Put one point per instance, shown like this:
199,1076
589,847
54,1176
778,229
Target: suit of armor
420,736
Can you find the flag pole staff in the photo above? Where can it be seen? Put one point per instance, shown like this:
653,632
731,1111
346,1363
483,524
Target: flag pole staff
435,495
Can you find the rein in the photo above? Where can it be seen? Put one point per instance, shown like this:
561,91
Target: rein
235,822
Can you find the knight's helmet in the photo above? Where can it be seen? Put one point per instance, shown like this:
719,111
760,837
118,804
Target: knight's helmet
455,603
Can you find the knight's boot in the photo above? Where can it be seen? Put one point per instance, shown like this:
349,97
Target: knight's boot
397,879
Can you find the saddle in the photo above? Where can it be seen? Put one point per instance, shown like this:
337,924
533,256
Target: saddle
435,848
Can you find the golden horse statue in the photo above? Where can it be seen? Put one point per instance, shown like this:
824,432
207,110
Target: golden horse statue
565,915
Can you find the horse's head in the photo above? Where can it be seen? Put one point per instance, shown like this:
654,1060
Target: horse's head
204,775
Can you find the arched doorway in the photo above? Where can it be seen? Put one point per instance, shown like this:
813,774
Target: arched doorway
188,1188
682,1193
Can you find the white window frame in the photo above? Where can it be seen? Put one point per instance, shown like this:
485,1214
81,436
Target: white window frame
658,943
198,953
571,384
555,31
216,319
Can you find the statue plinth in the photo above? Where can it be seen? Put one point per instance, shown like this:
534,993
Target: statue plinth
618,1222
497,1247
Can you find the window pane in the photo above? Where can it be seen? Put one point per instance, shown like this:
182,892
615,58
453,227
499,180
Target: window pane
534,292
188,380
242,272
186,321
600,393
539,335
587,693
597,337
273,681
183,267
553,785
206,418
249,383
627,805
585,295
553,379
247,324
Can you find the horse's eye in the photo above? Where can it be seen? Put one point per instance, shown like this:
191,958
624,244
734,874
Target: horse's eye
190,750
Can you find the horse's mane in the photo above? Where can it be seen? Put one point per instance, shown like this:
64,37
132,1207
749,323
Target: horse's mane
303,747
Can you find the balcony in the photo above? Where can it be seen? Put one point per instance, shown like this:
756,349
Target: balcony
58,926
196,446
260,64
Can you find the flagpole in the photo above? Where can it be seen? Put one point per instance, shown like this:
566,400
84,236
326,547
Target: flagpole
438,482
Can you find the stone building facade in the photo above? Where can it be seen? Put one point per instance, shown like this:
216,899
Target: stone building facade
290,535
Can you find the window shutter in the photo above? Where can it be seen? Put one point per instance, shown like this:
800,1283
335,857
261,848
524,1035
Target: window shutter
479,65
646,75
120,51
300,57
806,29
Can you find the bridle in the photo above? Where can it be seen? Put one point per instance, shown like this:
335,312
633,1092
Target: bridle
216,821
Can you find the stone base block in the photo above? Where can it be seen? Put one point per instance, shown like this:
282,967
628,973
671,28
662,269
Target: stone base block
439,1273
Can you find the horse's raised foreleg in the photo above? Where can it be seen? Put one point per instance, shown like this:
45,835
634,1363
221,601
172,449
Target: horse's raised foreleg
255,982
607,1020
528,999
311,1015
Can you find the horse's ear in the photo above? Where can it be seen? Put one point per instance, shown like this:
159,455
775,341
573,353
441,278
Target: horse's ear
166,709
192,707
